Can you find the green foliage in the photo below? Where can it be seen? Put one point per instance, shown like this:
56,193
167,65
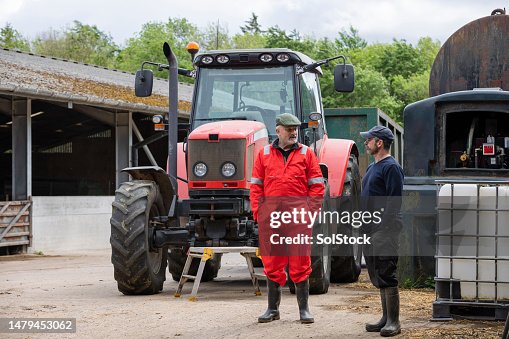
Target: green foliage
399,58
249,40
420,282
428,50
371,90
252,26
216,36
147,45
411,89
388,76
279,38
83,43
11,38
350,40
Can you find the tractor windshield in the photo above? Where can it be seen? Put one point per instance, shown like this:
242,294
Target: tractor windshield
245,94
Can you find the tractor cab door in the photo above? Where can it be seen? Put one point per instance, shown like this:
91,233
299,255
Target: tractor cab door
311,102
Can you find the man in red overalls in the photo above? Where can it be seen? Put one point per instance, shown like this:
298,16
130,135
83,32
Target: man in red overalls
286,169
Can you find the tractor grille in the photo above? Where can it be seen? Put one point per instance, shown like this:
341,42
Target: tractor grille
214,155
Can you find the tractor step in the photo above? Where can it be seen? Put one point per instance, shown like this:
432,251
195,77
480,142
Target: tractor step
206,253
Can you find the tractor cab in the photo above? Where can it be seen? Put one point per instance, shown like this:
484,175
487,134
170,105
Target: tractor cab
257,85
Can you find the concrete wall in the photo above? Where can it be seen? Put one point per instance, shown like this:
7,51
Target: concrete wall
70,223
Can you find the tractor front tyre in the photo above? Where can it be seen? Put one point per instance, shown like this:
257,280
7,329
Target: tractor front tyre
138,268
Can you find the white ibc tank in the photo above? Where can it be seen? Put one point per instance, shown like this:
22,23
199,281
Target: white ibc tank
469,258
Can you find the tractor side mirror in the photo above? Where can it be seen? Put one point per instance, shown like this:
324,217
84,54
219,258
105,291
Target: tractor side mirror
143,83
344,78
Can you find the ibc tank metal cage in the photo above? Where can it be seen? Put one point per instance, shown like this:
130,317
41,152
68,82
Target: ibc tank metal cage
472,250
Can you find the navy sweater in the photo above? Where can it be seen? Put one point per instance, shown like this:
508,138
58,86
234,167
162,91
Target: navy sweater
382,187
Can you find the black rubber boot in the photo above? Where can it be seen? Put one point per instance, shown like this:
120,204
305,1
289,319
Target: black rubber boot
392,327
376,327
274,297
302,292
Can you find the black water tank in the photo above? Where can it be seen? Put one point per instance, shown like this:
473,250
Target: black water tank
475,56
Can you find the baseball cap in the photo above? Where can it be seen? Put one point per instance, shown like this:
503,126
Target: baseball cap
380,132
287,119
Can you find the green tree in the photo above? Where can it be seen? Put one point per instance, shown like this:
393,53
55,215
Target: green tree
427,50
399,58
350,40
411,89
89,44
279,38
80,42
371,90
147,45
252,26
11,38
325,48
249,40
216,37
50,43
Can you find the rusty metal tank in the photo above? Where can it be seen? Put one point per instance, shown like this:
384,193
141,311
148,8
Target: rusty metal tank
475,56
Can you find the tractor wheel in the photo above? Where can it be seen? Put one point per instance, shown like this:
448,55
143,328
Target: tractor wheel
346,269
138,268
319,278
177,259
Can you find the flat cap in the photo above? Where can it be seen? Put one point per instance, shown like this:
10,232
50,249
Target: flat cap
287,119
380,132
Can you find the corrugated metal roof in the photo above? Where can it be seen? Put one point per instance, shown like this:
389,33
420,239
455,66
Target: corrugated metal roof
40,77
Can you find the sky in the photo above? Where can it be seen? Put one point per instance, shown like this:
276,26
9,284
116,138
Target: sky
376,20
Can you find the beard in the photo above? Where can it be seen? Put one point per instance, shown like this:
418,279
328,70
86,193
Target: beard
373,150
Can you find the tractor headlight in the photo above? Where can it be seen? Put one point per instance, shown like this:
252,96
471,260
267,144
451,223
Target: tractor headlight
228,169
200,169
222,59
283,57
207,59
266,57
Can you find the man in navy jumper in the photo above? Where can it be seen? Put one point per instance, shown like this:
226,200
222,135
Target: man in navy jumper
382,187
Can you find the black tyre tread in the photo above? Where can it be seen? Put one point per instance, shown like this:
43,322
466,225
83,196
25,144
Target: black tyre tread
319,279
346,269
130,252
177,259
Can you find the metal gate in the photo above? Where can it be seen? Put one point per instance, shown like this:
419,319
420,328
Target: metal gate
15,224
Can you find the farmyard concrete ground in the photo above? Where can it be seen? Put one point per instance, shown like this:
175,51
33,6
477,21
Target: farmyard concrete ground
81,286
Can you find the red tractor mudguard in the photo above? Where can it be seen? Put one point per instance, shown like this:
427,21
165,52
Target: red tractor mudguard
335,153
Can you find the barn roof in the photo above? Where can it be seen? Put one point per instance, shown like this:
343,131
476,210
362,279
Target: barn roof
48,78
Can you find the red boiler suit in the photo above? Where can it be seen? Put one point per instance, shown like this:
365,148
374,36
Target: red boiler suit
297,176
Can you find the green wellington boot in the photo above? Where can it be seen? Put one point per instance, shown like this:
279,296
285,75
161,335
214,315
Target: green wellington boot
302,292
392,326
274,297
376,327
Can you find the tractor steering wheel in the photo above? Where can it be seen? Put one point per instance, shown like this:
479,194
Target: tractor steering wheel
253,108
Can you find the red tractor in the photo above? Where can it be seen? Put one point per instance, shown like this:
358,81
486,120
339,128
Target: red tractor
203,197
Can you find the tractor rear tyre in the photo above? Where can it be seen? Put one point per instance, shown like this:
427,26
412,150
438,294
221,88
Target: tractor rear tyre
138,268
177,259
319,278
346,269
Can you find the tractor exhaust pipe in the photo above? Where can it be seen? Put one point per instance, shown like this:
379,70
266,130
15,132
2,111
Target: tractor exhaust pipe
172,115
